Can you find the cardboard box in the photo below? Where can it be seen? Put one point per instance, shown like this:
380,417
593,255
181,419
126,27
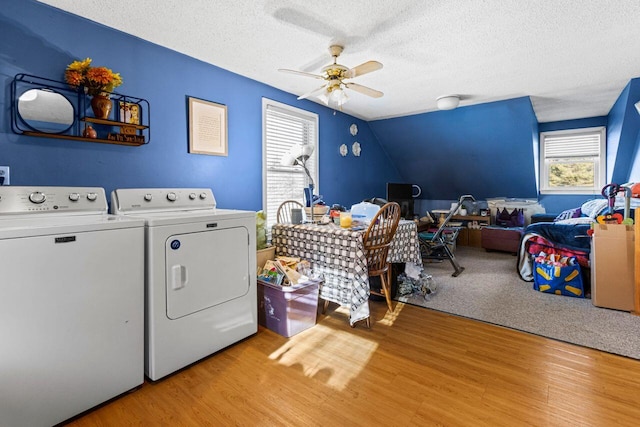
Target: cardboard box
264,255
612,266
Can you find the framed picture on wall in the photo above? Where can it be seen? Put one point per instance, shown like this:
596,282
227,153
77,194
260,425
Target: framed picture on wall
129,112
207,127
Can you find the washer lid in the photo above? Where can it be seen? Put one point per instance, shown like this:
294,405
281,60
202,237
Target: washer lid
18,226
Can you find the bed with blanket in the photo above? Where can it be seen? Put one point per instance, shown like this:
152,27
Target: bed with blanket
567,234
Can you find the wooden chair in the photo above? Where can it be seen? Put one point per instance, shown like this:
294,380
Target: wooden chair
377,240
283,216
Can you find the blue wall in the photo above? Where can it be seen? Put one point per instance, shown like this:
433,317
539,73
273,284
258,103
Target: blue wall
486,150
41,40
622,136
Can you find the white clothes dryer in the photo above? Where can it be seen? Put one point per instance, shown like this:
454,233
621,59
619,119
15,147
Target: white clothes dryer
71,311
200,274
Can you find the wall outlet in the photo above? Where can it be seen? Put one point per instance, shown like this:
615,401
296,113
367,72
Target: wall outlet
4,175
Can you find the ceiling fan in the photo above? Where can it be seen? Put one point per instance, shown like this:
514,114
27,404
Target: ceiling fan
335,76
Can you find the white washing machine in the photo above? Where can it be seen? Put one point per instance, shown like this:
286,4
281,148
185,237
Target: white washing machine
200,275
71,303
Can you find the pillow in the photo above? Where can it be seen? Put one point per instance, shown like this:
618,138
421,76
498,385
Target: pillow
592,208
513,219
569,213
502,216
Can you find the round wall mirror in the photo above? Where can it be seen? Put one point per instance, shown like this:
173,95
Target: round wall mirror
44,110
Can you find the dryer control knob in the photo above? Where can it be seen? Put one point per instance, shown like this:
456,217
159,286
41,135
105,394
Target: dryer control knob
203,196
148,197
92,197
171,197
74,197
37,197
192,196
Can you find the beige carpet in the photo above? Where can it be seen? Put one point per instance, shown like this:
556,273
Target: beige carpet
490,290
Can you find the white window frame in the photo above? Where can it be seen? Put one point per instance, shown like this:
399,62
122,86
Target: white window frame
572,139
299,178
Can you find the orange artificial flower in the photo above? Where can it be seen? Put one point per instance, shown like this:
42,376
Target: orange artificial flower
95,79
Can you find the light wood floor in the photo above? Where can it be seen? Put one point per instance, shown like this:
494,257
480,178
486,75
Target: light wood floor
418,367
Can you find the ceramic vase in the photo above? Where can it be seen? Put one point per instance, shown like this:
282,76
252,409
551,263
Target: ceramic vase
101,106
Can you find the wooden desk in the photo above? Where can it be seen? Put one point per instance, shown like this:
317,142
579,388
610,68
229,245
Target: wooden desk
339,255
470,236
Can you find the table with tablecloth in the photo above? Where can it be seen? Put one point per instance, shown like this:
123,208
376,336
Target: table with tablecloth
338,254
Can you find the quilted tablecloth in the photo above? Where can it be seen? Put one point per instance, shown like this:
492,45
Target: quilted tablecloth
338,254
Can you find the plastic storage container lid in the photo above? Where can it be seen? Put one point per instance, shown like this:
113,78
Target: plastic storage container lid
364,211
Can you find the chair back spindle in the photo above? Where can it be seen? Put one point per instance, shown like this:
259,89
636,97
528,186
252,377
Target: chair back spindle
377,240
283,215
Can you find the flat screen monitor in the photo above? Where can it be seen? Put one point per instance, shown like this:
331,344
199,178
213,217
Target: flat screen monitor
402,194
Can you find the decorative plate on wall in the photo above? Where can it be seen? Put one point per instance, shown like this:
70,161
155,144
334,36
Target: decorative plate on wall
344,150
355,148
353,129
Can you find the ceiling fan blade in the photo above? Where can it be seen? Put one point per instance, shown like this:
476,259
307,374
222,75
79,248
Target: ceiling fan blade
300,73
364,68
313,92
364,90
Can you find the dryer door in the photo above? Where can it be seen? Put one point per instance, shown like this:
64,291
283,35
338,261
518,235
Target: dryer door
205,269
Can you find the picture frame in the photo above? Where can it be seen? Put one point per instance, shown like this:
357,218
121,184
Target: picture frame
207,127
129,112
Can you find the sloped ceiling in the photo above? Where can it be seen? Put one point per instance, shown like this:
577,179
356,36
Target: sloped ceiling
571,57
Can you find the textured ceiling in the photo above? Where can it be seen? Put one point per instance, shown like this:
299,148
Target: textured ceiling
572,57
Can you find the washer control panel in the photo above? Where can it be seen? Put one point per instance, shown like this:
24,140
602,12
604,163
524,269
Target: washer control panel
160,199
25,200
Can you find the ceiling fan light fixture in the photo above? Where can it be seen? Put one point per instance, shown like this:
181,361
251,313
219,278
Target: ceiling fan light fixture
334,90
338,97
448,102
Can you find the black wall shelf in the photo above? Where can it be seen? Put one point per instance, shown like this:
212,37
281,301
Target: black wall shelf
108,131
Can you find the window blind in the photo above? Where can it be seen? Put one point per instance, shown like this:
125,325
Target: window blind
572,161
285,127
580,145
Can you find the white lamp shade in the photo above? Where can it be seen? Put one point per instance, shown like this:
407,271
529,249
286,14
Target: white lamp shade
448,102
334,98
338,97
296,152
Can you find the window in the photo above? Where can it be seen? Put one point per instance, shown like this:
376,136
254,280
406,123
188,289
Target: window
572,161
283,127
